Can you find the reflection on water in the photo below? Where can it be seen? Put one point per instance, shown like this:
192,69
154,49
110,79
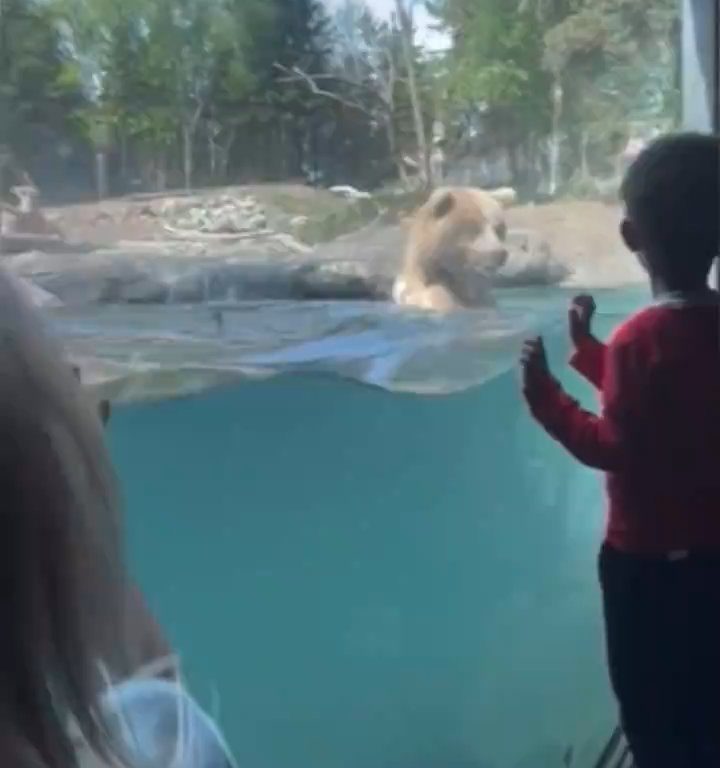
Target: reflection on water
374,343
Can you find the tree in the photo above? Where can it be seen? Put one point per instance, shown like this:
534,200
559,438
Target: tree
370,59
162,71
110,44
301,41
40,88
616,62
494,74
404,19
575,71
235,80
368,77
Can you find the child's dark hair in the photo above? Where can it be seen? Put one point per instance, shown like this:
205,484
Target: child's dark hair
672,196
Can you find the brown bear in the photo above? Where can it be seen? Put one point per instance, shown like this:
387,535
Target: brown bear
455,243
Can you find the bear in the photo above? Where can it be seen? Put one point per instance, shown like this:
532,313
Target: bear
455,244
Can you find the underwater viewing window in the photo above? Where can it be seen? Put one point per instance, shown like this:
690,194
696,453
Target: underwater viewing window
363,551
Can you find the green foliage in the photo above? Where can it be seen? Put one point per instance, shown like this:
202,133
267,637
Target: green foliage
138,76
40,86
300,39
496,60
616,60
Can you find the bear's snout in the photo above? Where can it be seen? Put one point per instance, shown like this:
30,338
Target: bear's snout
489,257
498,257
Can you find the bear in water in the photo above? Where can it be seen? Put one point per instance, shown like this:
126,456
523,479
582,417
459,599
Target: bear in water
456,242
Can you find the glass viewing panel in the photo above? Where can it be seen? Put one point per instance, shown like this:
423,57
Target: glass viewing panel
363,550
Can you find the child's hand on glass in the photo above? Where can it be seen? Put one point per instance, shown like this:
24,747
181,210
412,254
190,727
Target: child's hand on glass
534,364
580,315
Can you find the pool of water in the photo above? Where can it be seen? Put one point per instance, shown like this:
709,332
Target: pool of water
363,578
164,350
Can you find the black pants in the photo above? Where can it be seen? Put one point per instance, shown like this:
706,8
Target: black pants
662,625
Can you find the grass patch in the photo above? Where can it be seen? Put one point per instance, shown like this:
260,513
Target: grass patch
351,217
328,216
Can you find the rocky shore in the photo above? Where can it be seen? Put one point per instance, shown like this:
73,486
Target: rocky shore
229,247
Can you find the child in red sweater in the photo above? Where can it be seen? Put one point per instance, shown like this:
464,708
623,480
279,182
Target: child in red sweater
658,441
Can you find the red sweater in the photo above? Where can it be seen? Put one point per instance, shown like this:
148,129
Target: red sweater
658,437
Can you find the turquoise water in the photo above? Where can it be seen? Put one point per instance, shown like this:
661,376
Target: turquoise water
367,579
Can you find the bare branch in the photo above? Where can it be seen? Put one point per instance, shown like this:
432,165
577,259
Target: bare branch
297,75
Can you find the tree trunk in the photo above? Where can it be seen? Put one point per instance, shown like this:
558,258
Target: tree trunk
101,175
187,135
393,151
512,156
225,150
406,36
533,165
584,164
161,171
212,158
557,100
123,157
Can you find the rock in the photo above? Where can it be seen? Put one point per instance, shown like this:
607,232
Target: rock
360,266
350,193
289,242
33,294
15,242
135,277
339,281
144,289
298,227
530,262
220,214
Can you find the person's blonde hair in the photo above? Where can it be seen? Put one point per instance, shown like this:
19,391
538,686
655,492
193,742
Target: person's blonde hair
62,582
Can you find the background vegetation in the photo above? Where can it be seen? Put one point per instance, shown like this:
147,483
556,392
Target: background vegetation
542,94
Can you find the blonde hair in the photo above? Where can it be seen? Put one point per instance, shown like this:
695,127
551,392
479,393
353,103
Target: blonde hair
62,582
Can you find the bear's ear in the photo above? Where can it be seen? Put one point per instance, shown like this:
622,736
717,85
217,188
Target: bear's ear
506,196
443,205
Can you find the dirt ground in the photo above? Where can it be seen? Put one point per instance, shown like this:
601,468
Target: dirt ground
132,218
585,236
105,223
571,227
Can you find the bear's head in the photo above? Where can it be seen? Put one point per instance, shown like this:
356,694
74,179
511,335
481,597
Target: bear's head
457,230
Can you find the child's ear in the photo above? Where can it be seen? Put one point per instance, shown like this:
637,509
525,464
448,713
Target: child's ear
630,236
